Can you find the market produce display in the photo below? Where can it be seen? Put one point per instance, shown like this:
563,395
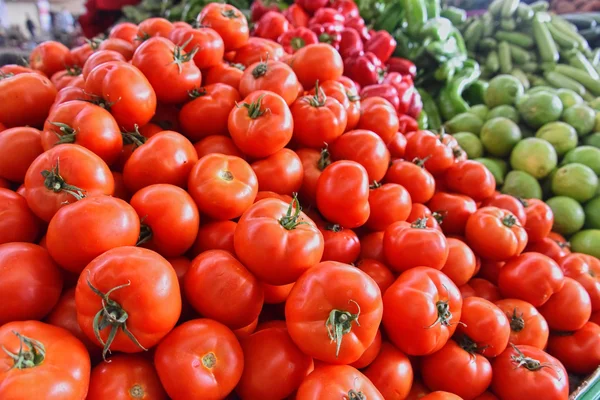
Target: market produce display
255,208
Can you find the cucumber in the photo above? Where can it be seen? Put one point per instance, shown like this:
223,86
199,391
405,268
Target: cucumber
492,62
517,38
564,41
591,84
519,55
509,7
579,61
540,6
522,77
545,44
505,58
561,81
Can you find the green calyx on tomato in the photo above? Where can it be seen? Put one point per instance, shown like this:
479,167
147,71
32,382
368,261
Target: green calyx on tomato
53,181
4,76
94,43
27,358
354,395
239,66
325,159
195,93
291,219
421,223
375,185
145,233
180,56
73,70
467,344
339,323
135,138
260,70
229,13
523,361
113,315
443,307
318,100
509,221
420,161
517,323
66,135
333,227
254,110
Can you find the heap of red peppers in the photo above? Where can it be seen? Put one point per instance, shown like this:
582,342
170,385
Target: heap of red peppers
367,54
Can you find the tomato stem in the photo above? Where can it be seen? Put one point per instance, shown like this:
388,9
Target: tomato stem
509,221
522,361
325,159
318,100
239,66
339,323
260,69
291,218
375,185
467,344
199,92
354,395
137,392
135,138
66,135
53,181
145,233
229,13
444,314
254,110
4,75
420,223
30,358
333,227
421,161
180,56
517,323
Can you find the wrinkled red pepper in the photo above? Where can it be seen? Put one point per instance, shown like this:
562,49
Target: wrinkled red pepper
350,43
403,66
416,105
382,44
407,124
365,69
296,38
384,90
347,8
359,24
405,87
296,15
328,33
312,5
261,7
326,15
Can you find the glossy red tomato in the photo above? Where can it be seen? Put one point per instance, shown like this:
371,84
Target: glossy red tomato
18,222
550,247
26,100
569,308
49,57
427,146
271,25
578,351
124,30
274,76
204,42
473,179
313,163
397,146
419,211
276,294
337,382
370,353
216,235
527,325
364,147
371,246
153,27
217,144
330,64
281,172
389,203
414,178
64,78
121,46
256,50
378,115
539,219
461,262
228,74
391,373
482,288
378,271
229,23
98,58
584,269
509,203
340,244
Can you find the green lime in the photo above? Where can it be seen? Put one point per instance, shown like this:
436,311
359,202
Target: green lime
592,213
470,143
576,180
504,111
521,184
592,140
540,108
503,89
499,136
569,98
496,166
595,104
481,110
534,156
586,242
568,215
465,122
560,135
597,123
580,117
586,155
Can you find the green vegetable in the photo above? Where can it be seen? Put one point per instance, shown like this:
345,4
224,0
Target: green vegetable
586,242
521,184
475,93
473,34
580,76
480,110
496,7
530,67
579,61
505,58
499,136
416,16
503,89
568,215
470,143
456,15
535,156
569,98
509,7
540,108
492,62
516,38
433,8
540,6
564,41
525,12
422,120
580,117
451,101
559,81
560,135
438,29
488,44
433,115
465,122
576,181
505,111
496,166
508,24
522,77
545,44
519,55
570,31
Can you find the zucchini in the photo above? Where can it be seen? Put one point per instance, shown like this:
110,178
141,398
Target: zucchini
505,58
545,44
560,81
591,84
579,61
517,38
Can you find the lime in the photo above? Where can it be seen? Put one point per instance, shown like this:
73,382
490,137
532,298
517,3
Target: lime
586,155
569,98
592,213
534,156
580,117
568,215
595,104
560,135
499,136
470,143
503,89
521,184
586,242
465,122
575,180
480,110
496,166
593,140
540,108
504,111
597,123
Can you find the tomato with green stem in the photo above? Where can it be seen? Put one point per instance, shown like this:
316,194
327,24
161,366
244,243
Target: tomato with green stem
49,57
337,382
274,76
256,50
578,351
569,308
229,23
98,58
65,77
509,203
313,164
527,325
420,211
389,203
228,74
427,146
585,269
391,373
413,177
152,27
18,223
281,172
552,248
207,42
30,110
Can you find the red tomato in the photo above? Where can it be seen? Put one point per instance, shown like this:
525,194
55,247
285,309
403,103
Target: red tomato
31,264
63,175
65,77
539,219
549,247
569,308
205,43
578,351
370,353
256,50
229,23
203,352
18,222
371,246
414,178
407,245
216,235
397,146
217,144
121,46
78,55
222,186
391,373
124,30
153,27
18,148
461,262
418,390
531,277
281,172
525,372
313,163
424,330
440,395
276,294
341,245
509,203
584,269
527,326
364,147
292,243
26,100
343,194
273,76
378,271
428,147
337,382
170,219
271,25
42,361
49,57
484,289
229,74
378,115
389,203
99,58
419,211
473,179
330,64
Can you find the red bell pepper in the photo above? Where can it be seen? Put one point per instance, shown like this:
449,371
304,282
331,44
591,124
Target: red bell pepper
407,124
296,15
261,7
363,68
416,105
328,33
359,24
405,87
312,5
271,25
403,66
350,43
347,8
326,15
296,38
384,90
382,44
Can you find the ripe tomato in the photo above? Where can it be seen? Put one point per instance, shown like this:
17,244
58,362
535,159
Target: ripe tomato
378,115
124,30
65,77
69,93
228,74
584,269
229,23
531,277
261,125
18,222
271,354
495,234
98,58
461,262
370,353
419,211
527,326
414,178
389,203
206,354
578,351
550,247
424,330
342,194
337,382
216,235
78,55
276,294
63,175
121,46
525,372
217,144
270,75
153,27
321,321
407,245
313,163
509,203
167,157
461,360
258,49
122,89
330,64
30,263
19,147
539,219
473,179
397,146
271,25
127,299
454,211
371,246
223,187
364,147
42,361
17,69
204,42
170,219
426,146
440,395
418,390
569,308
391,373
215,272
280,173
49,57
26,100
292,242
341,245
483,288
378,271
84,124
125,375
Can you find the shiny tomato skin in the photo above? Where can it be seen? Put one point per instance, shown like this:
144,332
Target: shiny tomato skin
378,271
531,277
343,194
527,325
225,73
276,294
585,269
271,25
397,146
26,262
98,58
378,115
366,148
18,222
152,27
340,244
326,57
205,41
484,289
66,377
461,262
569,308
171,215
313,163
49,57
318,120
509,203
281,172
336,382
423,332
215,272
26,100
124,30
370,353
391,373
419,211
539,219
371,246
427,146
256,50
414,178
289,248
549,247
389,203
229,23
121,46
274,76
217,235
578,351
472,179
217,144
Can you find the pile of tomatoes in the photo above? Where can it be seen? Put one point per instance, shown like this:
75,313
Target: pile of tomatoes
195,213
